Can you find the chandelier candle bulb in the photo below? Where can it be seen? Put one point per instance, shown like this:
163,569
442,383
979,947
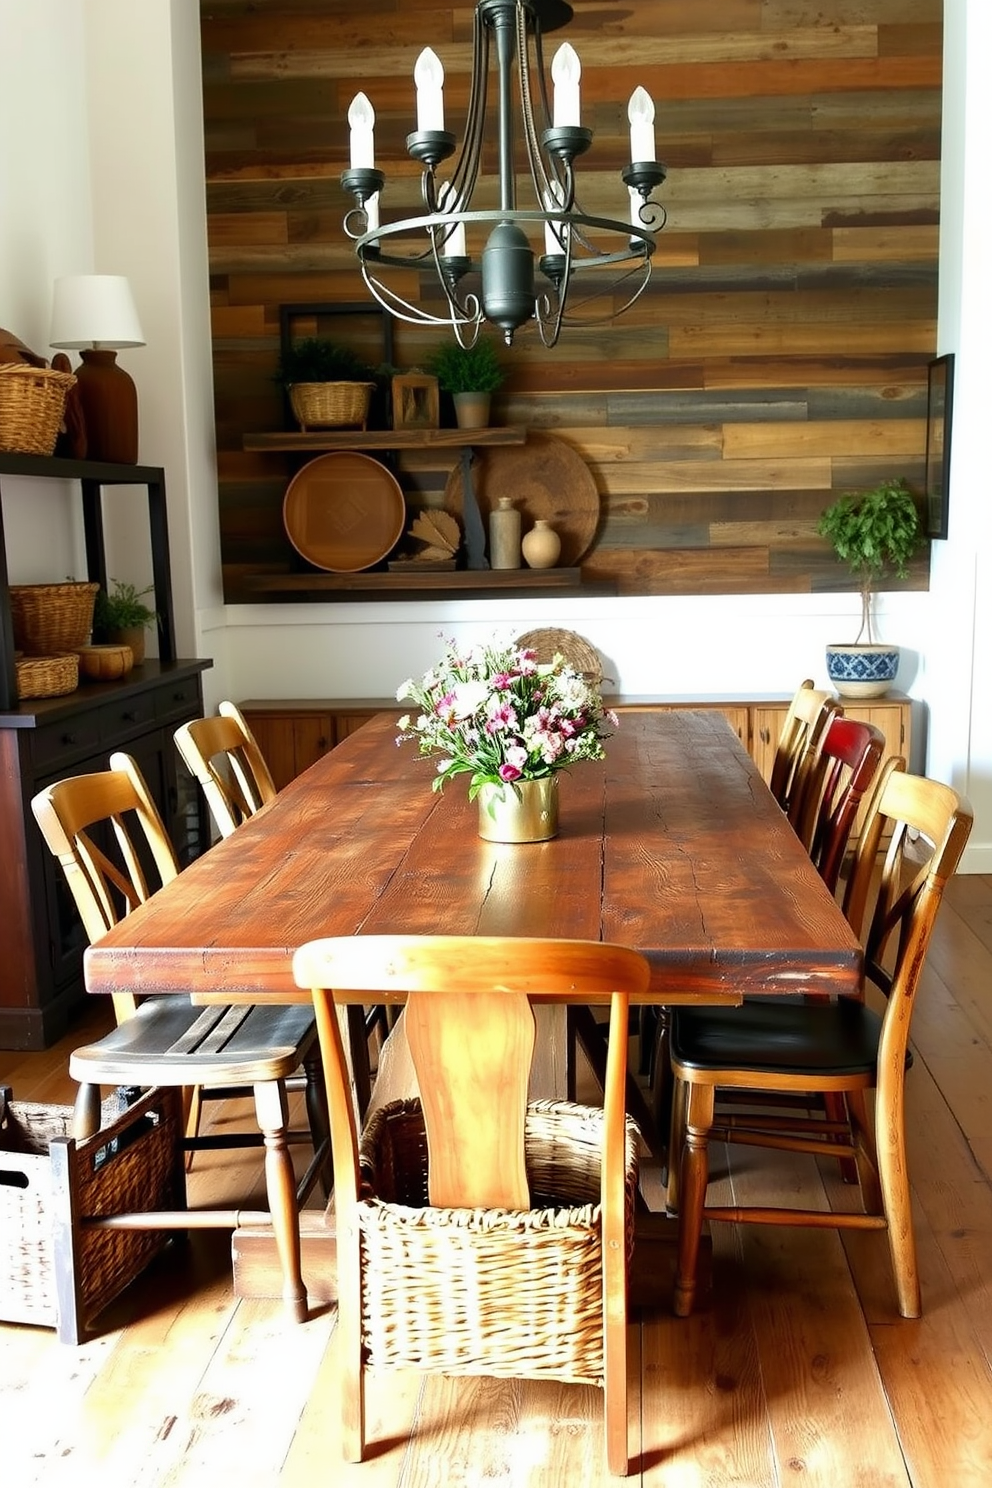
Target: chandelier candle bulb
361,117
640,112
566,70
429,78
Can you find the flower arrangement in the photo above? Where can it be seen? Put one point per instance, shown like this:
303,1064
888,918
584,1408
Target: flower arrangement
499,715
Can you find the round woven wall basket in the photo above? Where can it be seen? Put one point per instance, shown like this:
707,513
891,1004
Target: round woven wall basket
51,619
32,403
574,649
331,405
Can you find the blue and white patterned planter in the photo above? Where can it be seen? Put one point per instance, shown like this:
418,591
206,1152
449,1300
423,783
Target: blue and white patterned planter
862,671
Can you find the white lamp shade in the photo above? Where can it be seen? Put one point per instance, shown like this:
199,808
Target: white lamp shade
93,312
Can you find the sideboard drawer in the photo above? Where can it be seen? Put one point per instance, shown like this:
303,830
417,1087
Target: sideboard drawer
66,741
179,700
127,716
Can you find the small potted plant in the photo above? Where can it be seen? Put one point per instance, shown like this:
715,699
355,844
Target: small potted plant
471,374
329,385
875,533
122,616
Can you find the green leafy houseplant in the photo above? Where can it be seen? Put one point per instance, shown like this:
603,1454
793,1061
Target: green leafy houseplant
123,607
466,369
316,359
875,533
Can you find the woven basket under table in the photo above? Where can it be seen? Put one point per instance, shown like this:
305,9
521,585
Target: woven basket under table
32,403
487,1291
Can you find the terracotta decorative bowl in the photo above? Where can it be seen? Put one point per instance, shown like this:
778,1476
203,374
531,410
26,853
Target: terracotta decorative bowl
105,663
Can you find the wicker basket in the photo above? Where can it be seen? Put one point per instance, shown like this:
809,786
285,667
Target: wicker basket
50,619
491,1291
32,402
331,405
46,676
55,1270
579,654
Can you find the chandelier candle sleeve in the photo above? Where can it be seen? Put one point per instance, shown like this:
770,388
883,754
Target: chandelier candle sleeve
429,78
566,71
640,112
361,117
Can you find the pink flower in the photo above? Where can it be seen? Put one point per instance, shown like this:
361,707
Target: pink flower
509,772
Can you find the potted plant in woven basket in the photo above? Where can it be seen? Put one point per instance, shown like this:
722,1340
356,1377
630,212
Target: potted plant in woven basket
329,385
875,533
122,616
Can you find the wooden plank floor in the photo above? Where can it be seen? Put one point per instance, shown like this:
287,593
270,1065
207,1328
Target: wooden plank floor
799,1372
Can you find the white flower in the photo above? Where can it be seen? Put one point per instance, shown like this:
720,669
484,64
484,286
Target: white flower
403,723
406,690
468,697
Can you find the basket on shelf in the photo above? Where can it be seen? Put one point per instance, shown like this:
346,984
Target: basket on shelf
51,619
46,676
331,405
32,403
425,1268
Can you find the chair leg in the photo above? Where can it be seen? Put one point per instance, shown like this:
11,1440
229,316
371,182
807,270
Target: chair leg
893,1176
192,1111
272,1113
662,1081
352,1370
318,1119
836,1110
86,1112
615,1362
676,1132
693,1180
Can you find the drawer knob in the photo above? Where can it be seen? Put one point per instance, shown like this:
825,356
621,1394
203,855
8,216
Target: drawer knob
128,716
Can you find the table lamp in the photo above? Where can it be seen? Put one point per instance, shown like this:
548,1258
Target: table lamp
95,315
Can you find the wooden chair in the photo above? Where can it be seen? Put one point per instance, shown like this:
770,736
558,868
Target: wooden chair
461,1223
107,834
799,743
840,1047
848,763
221,753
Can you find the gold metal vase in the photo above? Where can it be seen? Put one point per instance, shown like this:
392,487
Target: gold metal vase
521,811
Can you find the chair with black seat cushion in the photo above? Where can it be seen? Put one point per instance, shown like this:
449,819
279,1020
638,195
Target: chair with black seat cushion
478,1234
222,754
842,1047
109,838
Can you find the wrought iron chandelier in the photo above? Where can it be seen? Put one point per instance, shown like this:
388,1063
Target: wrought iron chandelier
586,259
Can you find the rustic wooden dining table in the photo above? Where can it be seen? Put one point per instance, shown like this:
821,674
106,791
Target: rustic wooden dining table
672,844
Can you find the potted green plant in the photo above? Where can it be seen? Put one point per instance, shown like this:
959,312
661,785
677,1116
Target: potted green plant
121,616
875,533
471,374
329,385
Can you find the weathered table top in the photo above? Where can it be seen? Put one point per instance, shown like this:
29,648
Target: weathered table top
673,845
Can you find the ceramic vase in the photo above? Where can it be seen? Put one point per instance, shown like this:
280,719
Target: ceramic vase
471,410
525,811
862,670
541,546
504,535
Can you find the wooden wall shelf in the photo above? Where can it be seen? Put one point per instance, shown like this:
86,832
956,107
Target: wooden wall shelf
459,583
383,439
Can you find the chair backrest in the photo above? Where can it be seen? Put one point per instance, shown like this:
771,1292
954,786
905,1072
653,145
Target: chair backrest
106,832
849,759
930,824
470,1029
797,752
222,754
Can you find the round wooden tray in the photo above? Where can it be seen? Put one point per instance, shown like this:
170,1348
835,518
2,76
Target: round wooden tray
344,512
543,477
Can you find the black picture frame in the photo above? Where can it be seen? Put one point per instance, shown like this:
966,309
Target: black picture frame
940,403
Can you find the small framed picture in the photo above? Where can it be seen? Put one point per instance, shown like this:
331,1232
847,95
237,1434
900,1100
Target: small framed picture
940,395
415,402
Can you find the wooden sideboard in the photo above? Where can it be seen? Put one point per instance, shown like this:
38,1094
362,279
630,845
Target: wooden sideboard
293,733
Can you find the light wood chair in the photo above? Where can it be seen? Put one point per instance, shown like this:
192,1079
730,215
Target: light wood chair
108,836
477,1234
841,1047
799,743
221,753
848,762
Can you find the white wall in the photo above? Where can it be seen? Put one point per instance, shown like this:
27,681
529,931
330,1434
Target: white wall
111,198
